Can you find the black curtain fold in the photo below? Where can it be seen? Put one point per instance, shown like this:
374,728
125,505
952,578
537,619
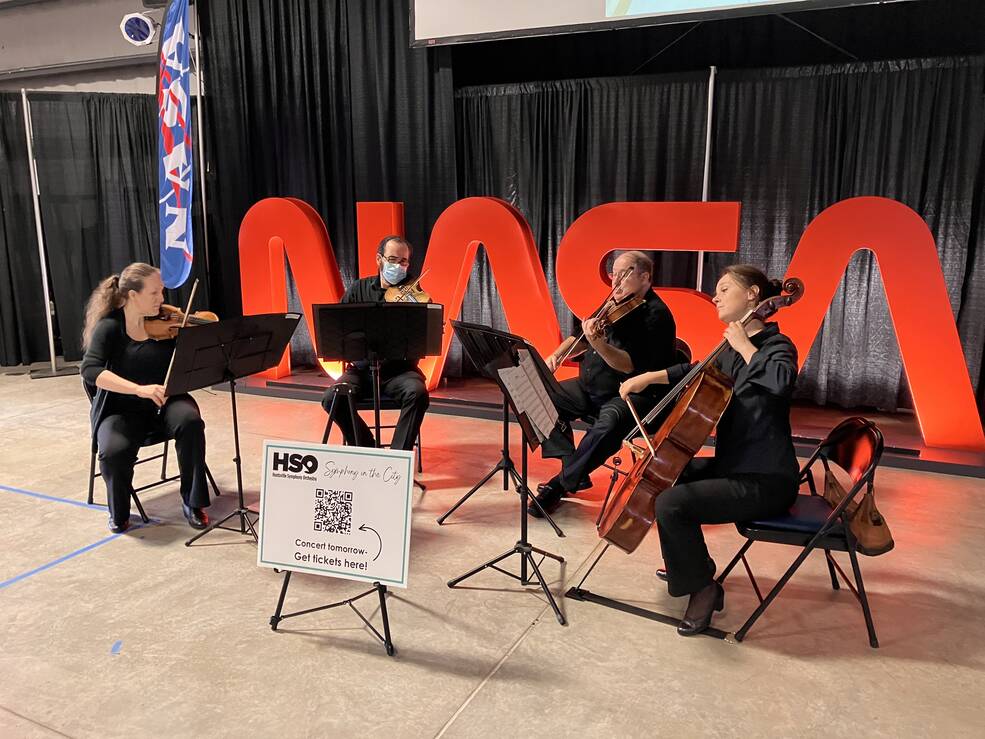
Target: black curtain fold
790,142
326,102
23,330
97,172
556,149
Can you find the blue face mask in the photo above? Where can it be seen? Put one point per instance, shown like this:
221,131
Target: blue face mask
393,273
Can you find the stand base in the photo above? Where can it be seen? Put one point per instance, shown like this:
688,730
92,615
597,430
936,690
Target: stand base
586,595
61,370
525,552
506,466
377,588
245,525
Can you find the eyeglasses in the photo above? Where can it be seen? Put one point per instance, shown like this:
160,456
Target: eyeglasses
397,260
613,276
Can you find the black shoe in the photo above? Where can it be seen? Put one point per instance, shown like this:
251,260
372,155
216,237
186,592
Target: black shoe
196,517
549,498
700,608
662,573
118,528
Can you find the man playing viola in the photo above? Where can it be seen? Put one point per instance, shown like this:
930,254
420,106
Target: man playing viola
641,341
400,380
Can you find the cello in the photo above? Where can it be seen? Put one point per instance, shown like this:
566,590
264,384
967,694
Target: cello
701,397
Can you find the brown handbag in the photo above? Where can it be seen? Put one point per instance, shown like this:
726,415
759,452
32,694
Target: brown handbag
867,525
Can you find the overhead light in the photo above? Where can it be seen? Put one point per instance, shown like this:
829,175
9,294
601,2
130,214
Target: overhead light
138,29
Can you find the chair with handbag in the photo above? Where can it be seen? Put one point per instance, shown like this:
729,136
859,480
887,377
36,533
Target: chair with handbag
834,519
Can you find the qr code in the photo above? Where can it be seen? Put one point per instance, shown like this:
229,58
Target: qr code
333,511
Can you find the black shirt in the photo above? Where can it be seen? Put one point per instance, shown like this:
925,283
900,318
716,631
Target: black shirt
142,362
753,435
647,334
369,290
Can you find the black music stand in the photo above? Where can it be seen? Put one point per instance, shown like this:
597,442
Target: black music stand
483,345
376,333
224,351
490,351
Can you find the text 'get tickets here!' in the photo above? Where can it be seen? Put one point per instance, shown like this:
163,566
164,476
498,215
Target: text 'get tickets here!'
340,511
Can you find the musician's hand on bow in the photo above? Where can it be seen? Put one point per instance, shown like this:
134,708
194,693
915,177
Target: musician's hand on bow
737,337
552,362
593,330
152,392
633,385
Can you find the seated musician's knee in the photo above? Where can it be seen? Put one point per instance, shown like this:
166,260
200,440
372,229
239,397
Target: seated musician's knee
671,505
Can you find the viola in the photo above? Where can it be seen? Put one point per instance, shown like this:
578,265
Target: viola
166,323
409,293
703,394
607,314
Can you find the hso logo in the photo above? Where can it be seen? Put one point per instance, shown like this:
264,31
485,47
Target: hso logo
295,462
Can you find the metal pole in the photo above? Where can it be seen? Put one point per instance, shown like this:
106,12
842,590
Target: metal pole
706,181
200,139
29,135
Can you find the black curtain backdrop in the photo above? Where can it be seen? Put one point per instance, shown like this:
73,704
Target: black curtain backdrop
323,101
557,149
23,334
790,142
97,168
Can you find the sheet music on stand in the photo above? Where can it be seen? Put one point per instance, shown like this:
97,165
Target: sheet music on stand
530,395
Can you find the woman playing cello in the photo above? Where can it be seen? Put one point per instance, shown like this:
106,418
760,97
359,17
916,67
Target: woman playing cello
124,368
754,471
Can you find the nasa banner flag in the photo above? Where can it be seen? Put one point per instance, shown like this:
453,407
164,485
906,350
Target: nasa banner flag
174,149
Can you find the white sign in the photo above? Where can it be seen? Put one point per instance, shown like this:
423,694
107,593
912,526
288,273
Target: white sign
342,511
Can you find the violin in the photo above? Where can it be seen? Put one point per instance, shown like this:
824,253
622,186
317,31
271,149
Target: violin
703,394
165,324
607,314
409,293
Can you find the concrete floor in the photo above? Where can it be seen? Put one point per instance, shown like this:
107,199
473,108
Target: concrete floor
137,635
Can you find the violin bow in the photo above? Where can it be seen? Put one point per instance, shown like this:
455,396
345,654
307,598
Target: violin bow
184,321
618,281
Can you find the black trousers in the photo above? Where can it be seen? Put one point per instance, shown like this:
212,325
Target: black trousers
120,436
704,497
612,421
407,388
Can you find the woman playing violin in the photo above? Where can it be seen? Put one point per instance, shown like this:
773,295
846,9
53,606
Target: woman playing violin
754,471
123,370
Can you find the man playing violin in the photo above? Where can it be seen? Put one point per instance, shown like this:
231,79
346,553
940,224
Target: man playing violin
123,369
399,379
641,341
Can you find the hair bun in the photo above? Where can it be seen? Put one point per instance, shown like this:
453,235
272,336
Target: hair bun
775,287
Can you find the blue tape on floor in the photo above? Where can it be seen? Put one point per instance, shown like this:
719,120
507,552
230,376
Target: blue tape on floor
42,496
65,558
116,648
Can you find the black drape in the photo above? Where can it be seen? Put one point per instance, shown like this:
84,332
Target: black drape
556,149
326,102
97,171
790,142
23,332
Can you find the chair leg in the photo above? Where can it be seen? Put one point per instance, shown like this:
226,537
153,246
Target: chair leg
215,488
420,454
140,508
92,475
735,560
164,460
741,633
863,600
831,570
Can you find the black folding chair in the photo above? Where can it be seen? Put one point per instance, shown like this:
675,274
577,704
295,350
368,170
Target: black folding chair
387,403
152,439
855,445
